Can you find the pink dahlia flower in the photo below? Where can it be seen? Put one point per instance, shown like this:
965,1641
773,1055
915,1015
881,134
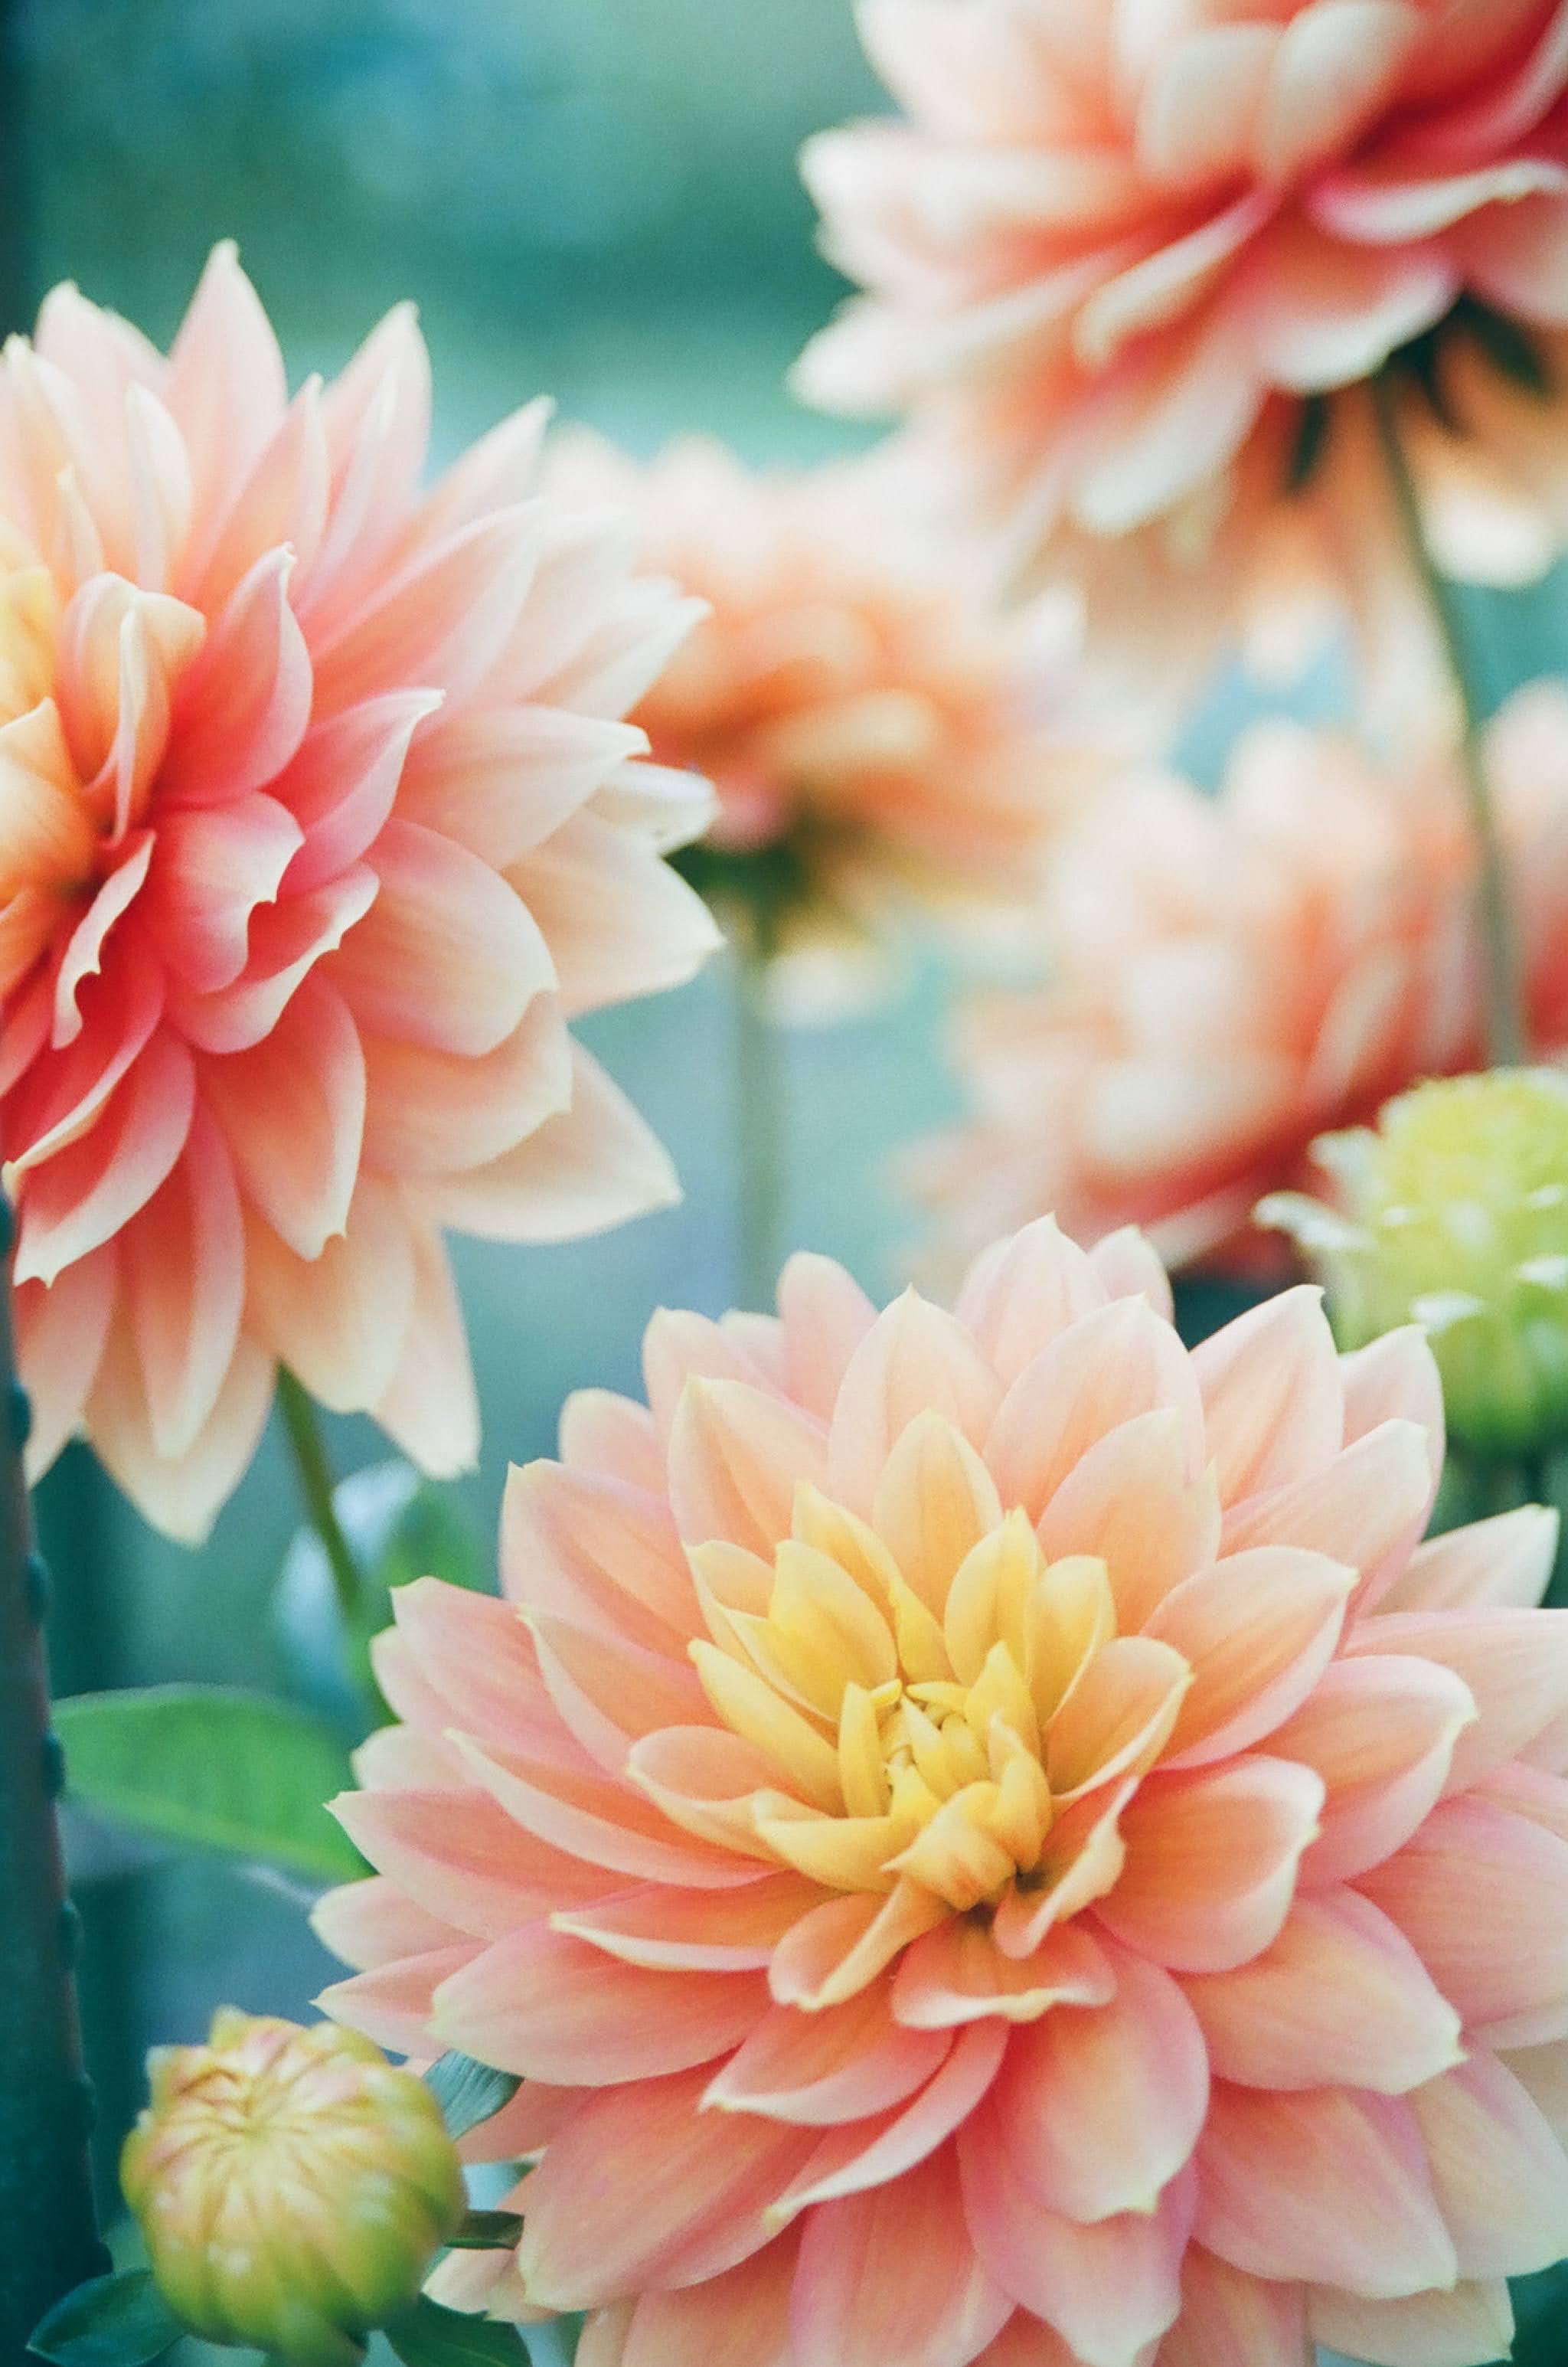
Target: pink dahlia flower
878,733
987,1840
317,823
1116,254
1231,978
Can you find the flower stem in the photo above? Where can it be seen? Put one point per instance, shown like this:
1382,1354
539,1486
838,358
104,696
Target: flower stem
47,2234
303,1424
1505,1036
759,1113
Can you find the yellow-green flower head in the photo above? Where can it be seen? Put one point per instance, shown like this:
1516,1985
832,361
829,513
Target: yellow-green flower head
1453,1212
293,2186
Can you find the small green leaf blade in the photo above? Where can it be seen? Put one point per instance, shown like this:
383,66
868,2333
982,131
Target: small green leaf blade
487,2231
429,2336
468,2092
118,2321
212,1768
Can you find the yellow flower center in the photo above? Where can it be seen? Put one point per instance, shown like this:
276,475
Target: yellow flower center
933,1722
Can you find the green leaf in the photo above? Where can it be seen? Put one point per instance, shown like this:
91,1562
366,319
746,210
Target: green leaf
487,2231
429,2336
468,2092
120,2321
212,1767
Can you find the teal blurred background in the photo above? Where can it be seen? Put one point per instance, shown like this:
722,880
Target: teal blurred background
595,198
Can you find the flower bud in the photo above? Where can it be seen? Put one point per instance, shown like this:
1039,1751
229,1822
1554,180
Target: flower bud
1453,1212
292,2186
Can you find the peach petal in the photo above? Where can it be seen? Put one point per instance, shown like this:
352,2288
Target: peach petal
933,1502
957,1975
1109,2289
1024,2341
281,501
244,700
738,2319
213,866
590,1166
1395,1378
597,2226
610,1694
85,950
60,1335
287,940
225,387
1082,1859
1133,1502
1281,2022
1118,1716
391,2004
737,1456
1381,1734
337,1322
91,1189
845,2063
371,1923
1097,2108
429,1407
448,956
1513,1664
292,1110
854,2159
602,1430
183,1273
1128,1265
717,1932
1257,1630
1501,1564
575,1543
542,2003
342,785
180,1494
826,1315
499,781
440,621
1483,1897
1499,2173
1430,2330
1212,1861
1272,1394
1358,1509
1230,2320
1100,1372
1024,1290
916,1359
892,2269
618,922
610,1826
833,1952
680,1346
1326,2185
460,1857
478,1668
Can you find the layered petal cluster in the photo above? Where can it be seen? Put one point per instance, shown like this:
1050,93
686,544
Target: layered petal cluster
877,730
987,1839
317,822
1230,978
1118,256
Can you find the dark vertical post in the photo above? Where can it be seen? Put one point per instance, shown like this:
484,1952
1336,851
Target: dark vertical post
48,2237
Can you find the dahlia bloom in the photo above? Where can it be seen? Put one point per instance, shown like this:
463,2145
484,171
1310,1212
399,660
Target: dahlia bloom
1114,257
317,823
292,2187
987,1840
877,732
1230,978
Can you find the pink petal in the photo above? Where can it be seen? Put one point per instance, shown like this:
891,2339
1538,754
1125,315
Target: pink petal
915,1359
1117,1717
738,2319
61,1333
1327,2186
1482,1897
341,785
593,1165
370,1922
244,701
826,1315
892,2273
281,501
602,1432
1026,1289
867,2154
544,2004
834,1951
212,865
443,619
1359,1508
1500,2175
1211,1860
478,1670
1380,1733
292,1111
618,922
460,1857
609,1825
90,1190
83,956
181,1494
1515,1664
1340,1999
1258,1630
1430,2330
933,1502
1230,2320
956,1975
392,2004
736,1456
1503,1564
430,1113
574,1543
845,2063
1097,2108
718,1932
429,1407
338,1322
184,1274
225,387
1128,1265
1100,1373
1272,1394
501,780
1132,1501
286,941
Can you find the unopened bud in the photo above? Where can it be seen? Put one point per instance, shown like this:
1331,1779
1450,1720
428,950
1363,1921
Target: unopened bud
292,2186
1453,1212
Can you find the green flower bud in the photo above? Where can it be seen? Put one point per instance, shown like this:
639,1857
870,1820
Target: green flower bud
292,2186
1453,1212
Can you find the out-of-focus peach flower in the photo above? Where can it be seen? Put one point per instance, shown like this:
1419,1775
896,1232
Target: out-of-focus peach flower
879,732
1117,255
292,2187
317,823
989,1841
1231,978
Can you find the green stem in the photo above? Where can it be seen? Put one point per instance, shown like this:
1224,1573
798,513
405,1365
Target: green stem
303,1424
1505,1035
47,2234
760,1120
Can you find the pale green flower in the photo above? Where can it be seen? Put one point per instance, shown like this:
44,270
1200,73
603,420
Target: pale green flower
293,2187
1453,1212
